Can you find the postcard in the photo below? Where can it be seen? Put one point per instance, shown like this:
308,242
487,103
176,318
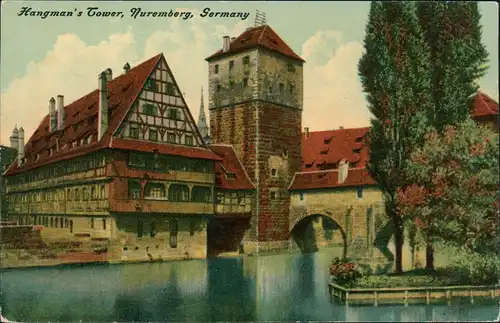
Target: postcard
249,161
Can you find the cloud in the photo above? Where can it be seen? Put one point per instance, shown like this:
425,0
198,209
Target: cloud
72,66
332,90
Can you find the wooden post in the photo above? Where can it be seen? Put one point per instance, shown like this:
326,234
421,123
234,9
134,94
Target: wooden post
347,299
428,297
471,297
493,293
375,294
406,298
448,297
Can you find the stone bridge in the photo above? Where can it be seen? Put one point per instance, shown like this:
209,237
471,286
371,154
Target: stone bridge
353,227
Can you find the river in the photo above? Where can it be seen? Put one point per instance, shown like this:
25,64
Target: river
284,287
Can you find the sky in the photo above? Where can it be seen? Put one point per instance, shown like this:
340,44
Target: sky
42,58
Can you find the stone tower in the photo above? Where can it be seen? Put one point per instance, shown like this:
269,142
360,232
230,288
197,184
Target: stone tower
255,104
202,122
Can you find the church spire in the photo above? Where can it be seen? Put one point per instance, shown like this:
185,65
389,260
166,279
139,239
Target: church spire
202,121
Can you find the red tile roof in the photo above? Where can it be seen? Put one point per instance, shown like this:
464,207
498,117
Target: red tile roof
329,179
261,36
230,164
321,148
484,106
123,90
167,149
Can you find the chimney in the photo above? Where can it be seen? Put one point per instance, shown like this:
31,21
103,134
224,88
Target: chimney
126,68
102,119
225,43
341,127
343,170
306,131
109,74
14,138
52,115
20,147
60,112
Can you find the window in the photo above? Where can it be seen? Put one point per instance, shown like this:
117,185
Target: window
104,224
201,194
270,89
134,190
170,89
92,193
301,196
77,195
245,82
84,197
103,192
219,87
137,159
292,89
92,223
282,88
171,137
246,60
291,67
274,172
359,192
173,114
140,228
231,65
216,69
152,229
153,135
51,222
273,195
285,153
178,192
149,109
134,131
192,227
71,226
174,228
150,85
188,140
155,190
56,222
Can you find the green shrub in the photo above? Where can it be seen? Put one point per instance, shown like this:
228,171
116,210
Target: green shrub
344,272
481,269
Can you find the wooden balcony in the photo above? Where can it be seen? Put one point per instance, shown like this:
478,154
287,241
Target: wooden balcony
161,206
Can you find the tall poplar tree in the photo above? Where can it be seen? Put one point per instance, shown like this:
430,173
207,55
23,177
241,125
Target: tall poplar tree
458,58
452,32
394,72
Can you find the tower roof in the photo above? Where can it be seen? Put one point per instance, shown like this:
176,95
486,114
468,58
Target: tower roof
261,36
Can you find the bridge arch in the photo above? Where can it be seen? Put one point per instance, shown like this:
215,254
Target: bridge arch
336,218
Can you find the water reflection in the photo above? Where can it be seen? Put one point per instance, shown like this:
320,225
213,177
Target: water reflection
288,287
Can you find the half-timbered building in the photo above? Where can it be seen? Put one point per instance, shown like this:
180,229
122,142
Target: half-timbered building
125,163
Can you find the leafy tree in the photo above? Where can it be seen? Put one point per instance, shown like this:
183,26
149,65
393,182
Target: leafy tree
394,72
454,195
458,57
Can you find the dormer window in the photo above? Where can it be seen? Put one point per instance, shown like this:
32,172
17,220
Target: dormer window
216,69
328,141
230,175
74,144
246,60
37,157
50,151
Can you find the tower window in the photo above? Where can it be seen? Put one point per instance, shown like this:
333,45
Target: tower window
270,89
291,67
219,87
246,60
274,172
282,88
245,82
292,89
231,65
216,69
